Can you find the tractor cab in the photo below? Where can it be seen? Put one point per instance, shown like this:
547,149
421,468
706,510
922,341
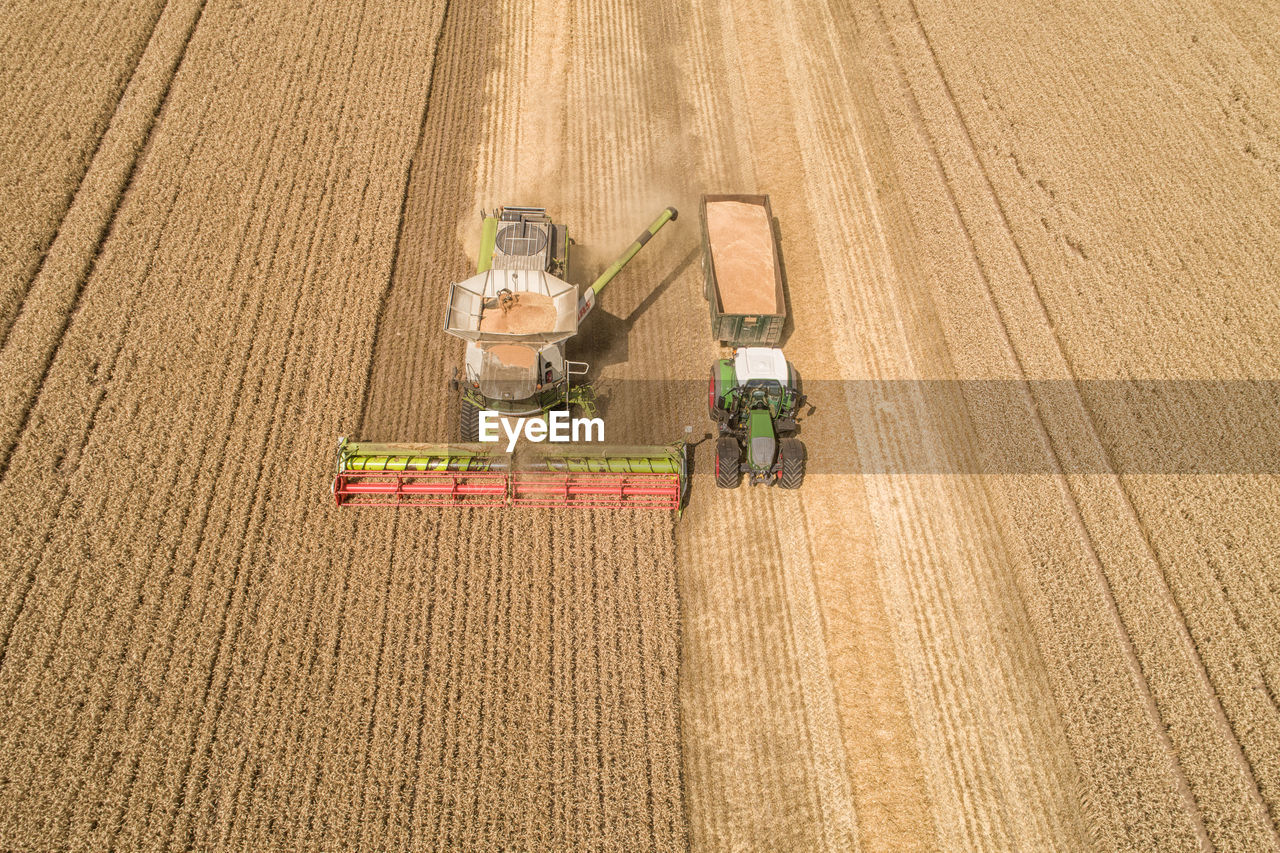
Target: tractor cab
756,378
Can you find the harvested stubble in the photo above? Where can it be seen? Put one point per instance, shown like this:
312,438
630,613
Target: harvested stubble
1063,185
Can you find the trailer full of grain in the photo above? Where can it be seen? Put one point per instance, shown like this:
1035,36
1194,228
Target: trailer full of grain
743,273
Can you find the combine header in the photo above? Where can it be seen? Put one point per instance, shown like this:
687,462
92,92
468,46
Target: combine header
516,313
479,475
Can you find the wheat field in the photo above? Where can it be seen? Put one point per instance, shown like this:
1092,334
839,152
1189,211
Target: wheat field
994,618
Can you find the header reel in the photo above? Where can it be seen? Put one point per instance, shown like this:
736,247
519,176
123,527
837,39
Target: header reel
370,474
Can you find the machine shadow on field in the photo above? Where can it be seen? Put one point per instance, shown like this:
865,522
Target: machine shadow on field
788,322
663,286
603,340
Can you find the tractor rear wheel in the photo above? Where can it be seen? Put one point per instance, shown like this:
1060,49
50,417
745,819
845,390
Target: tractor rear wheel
728,463
793,458
468,420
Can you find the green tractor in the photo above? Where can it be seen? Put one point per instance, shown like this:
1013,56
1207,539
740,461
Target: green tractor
755,397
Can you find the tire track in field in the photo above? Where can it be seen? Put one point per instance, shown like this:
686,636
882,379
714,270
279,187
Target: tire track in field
29,343
245,386
986,776
70,74
31,482
1003,122
108,418
384,64
203,745
238,384
70,457
1164,592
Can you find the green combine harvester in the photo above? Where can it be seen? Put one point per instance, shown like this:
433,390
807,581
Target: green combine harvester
516,314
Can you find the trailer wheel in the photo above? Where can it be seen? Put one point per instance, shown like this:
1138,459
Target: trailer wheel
468,420
793,458
728,463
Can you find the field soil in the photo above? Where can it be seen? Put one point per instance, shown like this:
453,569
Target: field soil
229,232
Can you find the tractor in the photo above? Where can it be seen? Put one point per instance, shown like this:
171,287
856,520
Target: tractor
755,397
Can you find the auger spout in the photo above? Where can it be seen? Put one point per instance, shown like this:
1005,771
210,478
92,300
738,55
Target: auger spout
588,299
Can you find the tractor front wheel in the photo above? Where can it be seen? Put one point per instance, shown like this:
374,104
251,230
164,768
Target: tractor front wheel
793,459
728,463
468,420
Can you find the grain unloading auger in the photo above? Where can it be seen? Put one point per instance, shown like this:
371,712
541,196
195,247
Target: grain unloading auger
516,315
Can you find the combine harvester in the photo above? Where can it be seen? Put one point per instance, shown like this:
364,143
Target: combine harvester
516,314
